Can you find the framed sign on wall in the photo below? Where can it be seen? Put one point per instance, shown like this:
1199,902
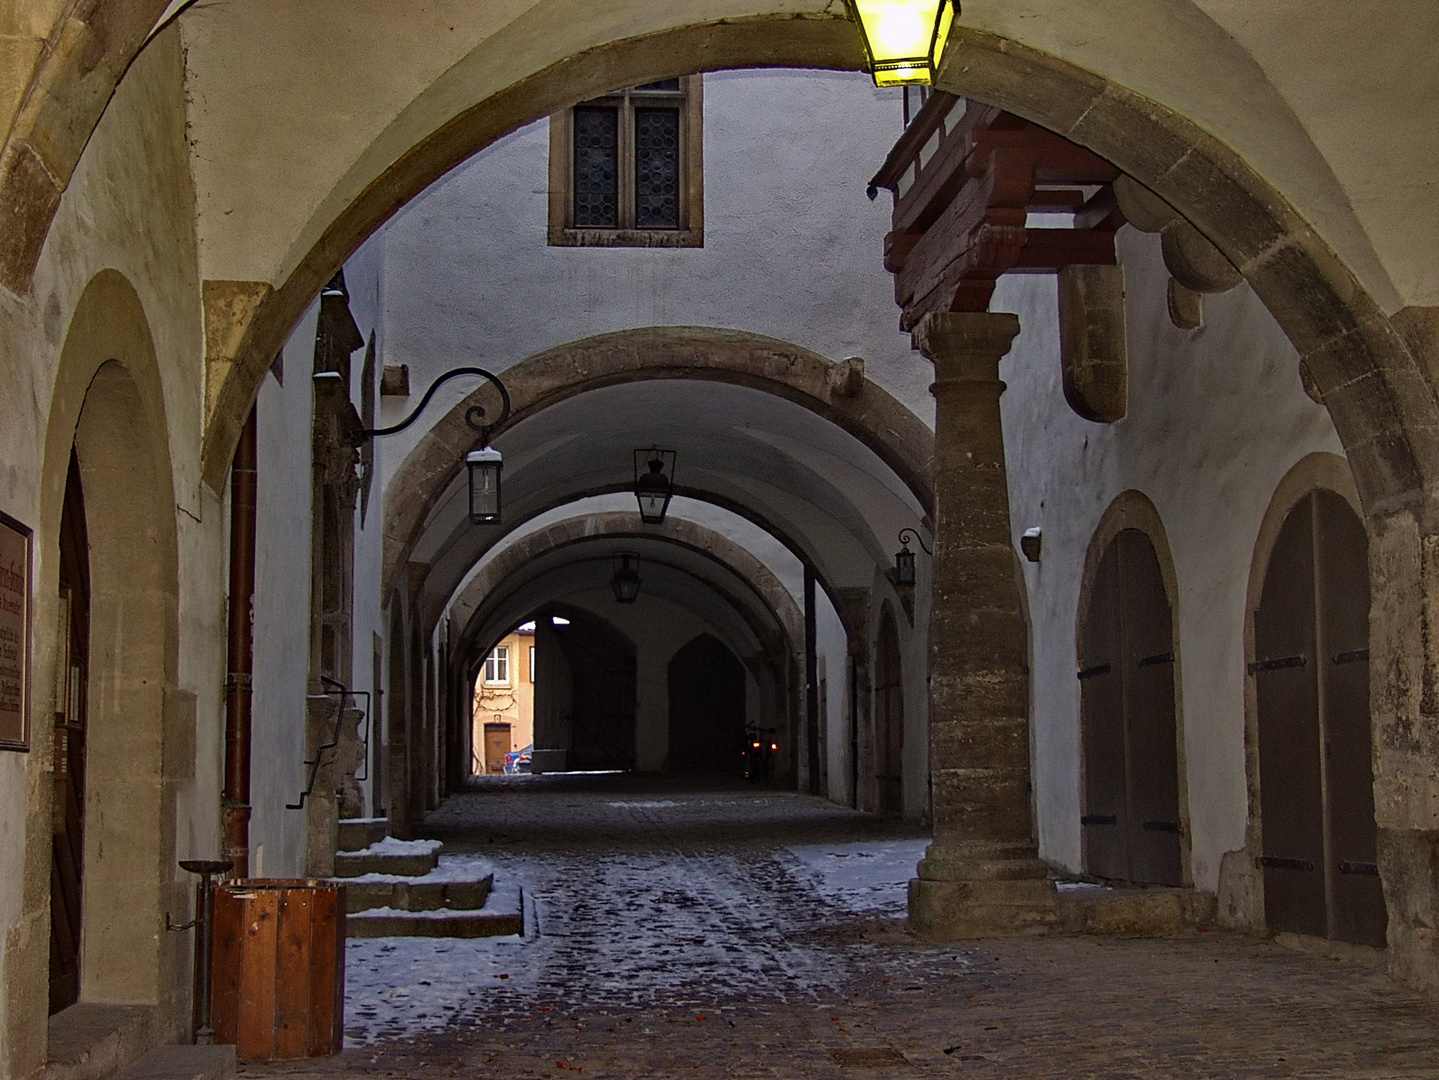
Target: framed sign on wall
15,567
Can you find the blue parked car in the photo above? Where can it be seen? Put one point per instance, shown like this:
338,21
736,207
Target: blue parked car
518,761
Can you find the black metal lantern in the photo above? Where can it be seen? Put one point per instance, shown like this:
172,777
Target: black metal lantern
484,466
904,558
654,486
904,39
625,581
904,566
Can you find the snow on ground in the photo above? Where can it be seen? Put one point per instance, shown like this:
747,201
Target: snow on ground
403,986
869,877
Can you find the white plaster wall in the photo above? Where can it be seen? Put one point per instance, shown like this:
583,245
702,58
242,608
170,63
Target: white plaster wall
792,245
365,281
284,421
831,648
1216,418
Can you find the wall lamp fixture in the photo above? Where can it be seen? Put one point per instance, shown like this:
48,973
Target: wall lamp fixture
903,39
485,463
904,558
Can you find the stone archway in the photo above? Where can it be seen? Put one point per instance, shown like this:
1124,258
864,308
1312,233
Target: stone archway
108,406
708,354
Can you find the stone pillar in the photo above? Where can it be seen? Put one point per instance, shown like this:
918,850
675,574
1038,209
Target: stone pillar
982,876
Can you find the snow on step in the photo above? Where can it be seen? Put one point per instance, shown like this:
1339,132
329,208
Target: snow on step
502,913
389,856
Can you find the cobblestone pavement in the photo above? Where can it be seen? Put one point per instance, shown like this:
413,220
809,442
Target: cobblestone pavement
679,936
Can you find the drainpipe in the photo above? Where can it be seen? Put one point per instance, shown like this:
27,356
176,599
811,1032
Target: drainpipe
240,659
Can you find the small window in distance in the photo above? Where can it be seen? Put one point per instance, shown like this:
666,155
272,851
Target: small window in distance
627,169
497,667
532,663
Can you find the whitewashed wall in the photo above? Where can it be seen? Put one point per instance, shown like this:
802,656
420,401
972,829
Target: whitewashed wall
1216,418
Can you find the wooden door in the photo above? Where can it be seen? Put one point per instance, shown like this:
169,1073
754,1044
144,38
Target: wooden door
1130,822
68,818
888,720
497,745
1316,782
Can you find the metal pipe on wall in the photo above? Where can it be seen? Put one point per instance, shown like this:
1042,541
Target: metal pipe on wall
239,662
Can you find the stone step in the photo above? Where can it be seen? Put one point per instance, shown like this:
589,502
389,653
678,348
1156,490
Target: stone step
1137,911
357,833
417,895
389,856
89,1041
182,1063
502,914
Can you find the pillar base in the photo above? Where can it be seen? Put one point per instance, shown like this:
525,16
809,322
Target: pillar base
955,910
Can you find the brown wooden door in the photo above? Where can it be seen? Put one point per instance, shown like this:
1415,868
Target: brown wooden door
497,745
1130,822
1316,781
68,819
888,720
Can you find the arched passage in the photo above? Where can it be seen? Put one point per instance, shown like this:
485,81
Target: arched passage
880,423
706,708
108,418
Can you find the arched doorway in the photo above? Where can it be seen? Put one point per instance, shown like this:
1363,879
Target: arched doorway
706,684
888,719
1130,822
1316,780
68,823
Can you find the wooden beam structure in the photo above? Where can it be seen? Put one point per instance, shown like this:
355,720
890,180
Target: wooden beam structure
965,179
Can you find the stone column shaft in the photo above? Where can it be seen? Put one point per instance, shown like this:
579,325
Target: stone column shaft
981,876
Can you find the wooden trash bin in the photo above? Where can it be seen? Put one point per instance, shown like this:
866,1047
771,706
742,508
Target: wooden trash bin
278,971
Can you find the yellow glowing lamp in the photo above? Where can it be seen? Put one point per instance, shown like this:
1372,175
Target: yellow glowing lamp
904,39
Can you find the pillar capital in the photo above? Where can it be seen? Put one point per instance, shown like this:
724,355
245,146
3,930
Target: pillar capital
966,346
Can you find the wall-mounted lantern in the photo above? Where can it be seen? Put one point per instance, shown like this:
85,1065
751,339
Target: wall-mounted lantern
904,558
904,39
625,581
654,483
484,464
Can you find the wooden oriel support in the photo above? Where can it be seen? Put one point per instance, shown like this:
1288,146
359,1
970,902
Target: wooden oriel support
982,876
278,989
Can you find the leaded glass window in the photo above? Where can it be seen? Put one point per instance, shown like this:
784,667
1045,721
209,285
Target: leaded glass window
626,168
596,168
657,168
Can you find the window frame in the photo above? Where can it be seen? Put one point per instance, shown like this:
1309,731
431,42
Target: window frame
500,657
562,230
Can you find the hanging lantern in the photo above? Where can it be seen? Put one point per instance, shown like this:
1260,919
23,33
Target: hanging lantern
904,558
625,581
654,486
484,466
904,566
904,39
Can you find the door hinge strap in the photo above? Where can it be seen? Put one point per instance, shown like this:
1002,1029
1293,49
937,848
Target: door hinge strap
1364,869
1353,656
1162,826
1099,819
1098,669
1276,863
1157,658
1277,664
